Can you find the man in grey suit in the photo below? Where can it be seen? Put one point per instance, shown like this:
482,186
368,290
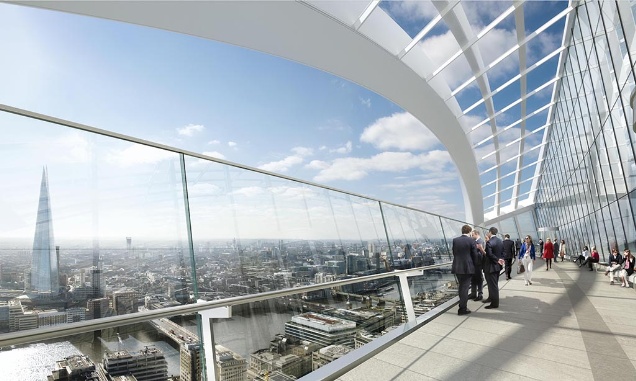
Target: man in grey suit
464,258
493,265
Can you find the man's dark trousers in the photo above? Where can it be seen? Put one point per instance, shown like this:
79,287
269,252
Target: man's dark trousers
476,284
464,284
492,279
508,268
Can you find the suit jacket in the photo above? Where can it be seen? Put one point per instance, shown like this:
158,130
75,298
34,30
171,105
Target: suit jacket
509,250
494,252
464,255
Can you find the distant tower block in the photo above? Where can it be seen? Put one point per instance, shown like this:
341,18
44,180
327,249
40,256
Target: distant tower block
128,245
44,265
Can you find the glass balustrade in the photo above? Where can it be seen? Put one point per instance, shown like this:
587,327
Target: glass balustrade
97,226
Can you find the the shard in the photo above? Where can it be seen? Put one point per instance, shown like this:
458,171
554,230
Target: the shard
44,268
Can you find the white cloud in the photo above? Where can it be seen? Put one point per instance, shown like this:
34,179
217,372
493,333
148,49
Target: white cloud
317,164
282,165
285,164
190,129
366,102
214,142
344,149
216,154
303,151
400,130
412,10
481,13
358,168
74,146
138,154
441,47
249,191
231,144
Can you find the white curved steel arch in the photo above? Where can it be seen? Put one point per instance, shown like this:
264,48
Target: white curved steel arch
301,32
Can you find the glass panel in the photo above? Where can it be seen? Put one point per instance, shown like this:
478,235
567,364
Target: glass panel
416,238
434,287
525,221
300,333
163,348
91,226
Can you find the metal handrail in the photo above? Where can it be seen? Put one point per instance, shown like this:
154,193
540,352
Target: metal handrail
41,334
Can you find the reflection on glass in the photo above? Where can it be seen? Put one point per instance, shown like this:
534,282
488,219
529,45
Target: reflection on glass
157,349
433,288
92,227
297,334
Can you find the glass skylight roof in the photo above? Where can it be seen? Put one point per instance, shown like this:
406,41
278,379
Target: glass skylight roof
499,60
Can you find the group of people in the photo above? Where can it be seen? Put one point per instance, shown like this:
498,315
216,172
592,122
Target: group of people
472,256
621,266
588,259
551,251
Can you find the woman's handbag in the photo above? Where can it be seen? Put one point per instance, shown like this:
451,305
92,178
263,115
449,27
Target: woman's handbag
521,268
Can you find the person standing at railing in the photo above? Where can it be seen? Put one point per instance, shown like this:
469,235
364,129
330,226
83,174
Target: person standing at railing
464,259
493,262
509,252
477,281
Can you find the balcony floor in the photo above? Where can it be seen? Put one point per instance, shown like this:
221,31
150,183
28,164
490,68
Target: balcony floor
570,324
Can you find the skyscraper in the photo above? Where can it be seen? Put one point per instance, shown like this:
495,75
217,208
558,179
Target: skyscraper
44,270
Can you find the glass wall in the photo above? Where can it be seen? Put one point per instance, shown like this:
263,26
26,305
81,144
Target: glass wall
588,172
94,226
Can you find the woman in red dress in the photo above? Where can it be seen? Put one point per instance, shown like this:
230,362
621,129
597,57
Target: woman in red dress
548,253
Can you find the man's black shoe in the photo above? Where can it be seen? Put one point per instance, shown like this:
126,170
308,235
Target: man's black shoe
465,312
486,300
490,306
472,296
478,298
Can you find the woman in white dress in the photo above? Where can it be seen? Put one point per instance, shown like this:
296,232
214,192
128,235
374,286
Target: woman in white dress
562,250
527,257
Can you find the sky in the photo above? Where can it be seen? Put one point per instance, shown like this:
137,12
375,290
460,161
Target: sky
206,97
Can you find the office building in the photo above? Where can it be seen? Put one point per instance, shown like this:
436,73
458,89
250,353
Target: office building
44,265
77,368
125,301
190,362
321,329
98,308
149,364
230,366
325,355
51,318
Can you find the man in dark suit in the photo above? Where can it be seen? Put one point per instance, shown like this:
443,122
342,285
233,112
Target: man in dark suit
477,281
493,264
464,258
509,252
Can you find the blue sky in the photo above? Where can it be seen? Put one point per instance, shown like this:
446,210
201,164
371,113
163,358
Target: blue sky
238,105
208,97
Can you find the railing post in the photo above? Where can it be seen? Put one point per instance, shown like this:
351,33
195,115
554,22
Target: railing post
406,294
208,337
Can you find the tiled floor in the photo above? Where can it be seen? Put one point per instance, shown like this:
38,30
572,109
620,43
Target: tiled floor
570,324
